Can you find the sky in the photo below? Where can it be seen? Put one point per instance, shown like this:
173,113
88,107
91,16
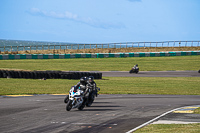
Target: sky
100,21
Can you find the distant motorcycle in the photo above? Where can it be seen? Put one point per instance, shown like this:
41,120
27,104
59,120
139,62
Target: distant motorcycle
75,99
134,70
91,97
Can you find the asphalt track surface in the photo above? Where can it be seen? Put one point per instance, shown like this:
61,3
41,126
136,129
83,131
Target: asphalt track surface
108,114
151,74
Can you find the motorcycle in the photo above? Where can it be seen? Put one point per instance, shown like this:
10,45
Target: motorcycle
134,70
75,99
91,97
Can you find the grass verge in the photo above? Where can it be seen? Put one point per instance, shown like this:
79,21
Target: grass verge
109,85
170,128
106,64
197,111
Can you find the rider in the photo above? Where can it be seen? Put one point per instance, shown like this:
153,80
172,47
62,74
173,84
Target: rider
91,81
135,67
83,84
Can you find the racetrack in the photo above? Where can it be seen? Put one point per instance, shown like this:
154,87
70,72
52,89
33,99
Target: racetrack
108,114
151,74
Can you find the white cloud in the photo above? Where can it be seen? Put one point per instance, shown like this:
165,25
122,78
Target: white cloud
53,14
74,17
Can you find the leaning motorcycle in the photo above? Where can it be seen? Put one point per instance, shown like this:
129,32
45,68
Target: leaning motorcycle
75,99
134,70
91,97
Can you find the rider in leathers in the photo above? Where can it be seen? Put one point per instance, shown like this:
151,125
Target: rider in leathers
86,86
135,67
91,81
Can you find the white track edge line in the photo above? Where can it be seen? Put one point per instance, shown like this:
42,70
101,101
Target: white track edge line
134,129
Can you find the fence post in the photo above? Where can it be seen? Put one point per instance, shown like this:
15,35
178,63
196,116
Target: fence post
144,44
4,48
90,46
138,44
71,46
108,45
96,46
17,49
11,49
162,44
126,45
60,47
132,45
102,46
24,48
150,44
30,48
36,48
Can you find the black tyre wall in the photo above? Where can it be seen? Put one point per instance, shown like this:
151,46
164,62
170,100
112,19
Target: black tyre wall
48,74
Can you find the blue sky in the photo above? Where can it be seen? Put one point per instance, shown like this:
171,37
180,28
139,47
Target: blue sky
100,21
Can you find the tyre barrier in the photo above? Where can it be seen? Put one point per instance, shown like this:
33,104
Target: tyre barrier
48,74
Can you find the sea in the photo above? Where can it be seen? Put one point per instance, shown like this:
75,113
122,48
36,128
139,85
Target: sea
22,45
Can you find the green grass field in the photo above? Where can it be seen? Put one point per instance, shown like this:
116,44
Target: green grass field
112,85
197,111
108,85
106,64
170,128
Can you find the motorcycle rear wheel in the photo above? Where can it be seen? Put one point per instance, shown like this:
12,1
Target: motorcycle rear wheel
90,101
81,107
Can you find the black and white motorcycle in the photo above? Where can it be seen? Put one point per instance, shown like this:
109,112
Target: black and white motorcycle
75,99
134,70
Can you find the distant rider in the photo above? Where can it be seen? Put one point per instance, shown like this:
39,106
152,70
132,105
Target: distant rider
135,67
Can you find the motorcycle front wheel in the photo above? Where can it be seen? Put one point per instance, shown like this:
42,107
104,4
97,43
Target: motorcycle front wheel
66,99
69,105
